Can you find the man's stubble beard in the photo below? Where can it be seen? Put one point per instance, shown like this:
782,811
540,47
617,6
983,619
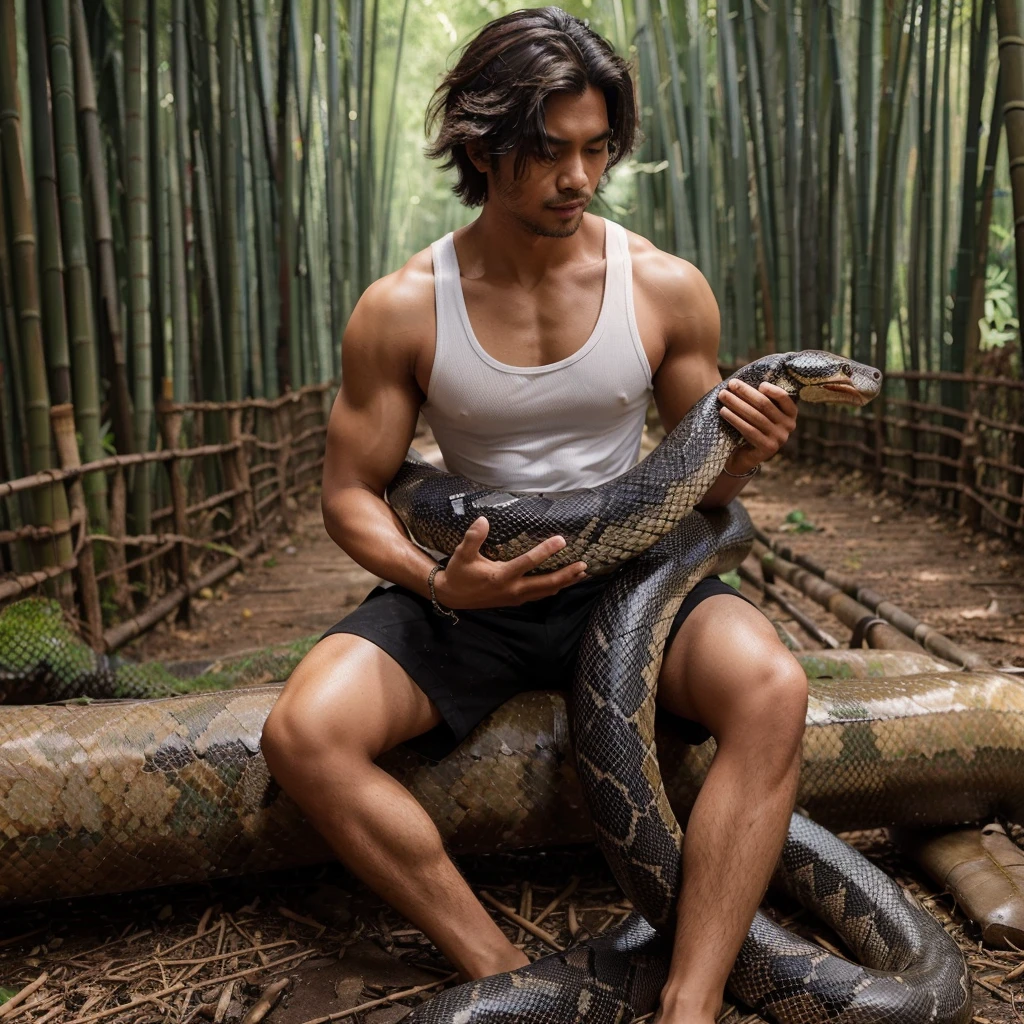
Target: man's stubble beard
508,193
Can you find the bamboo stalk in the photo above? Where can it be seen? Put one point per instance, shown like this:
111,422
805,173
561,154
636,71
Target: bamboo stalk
51,259
78,279
50,503
67,449
137,186
103,234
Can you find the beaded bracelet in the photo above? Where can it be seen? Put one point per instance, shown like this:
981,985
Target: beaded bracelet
439,608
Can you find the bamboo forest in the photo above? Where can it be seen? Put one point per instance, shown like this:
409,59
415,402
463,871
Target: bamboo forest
195,195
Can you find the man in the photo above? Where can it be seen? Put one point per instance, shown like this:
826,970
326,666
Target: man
532,339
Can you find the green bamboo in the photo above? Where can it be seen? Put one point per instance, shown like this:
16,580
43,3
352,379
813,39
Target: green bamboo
179,178
49,503
12,358
229,237
247,216
688,242
335,172
263,201
737,154
103,235
136,185
929,150
864,164
1010,22
765,194
952,393
946,183
848,176
78,278
215,380
390,146
289,355
781,226
158,256
697,63
261,60
51,261
977,282
788,30
890,187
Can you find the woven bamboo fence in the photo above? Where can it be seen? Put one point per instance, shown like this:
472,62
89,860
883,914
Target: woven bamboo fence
217,502
967,458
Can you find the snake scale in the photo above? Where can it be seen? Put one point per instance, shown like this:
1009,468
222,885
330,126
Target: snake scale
133,786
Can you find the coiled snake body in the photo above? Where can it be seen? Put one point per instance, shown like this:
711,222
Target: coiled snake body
644,518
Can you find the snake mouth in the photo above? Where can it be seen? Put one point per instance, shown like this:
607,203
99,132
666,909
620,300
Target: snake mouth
834,392
849,390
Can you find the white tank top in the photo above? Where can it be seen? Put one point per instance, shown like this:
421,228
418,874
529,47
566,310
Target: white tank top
561,426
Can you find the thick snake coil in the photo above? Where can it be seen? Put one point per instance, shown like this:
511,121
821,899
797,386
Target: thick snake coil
130,787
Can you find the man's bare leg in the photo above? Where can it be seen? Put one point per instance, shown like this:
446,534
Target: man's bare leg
727,669
345,704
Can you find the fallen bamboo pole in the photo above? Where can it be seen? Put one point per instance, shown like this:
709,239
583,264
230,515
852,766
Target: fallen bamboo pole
930,639
806,623
862,620
124,631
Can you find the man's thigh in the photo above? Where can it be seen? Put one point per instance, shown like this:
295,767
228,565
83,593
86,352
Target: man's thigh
726,661
347,690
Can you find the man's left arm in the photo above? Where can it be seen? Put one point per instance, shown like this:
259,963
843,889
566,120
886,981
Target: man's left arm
765,416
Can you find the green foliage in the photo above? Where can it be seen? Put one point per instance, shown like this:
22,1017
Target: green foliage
998,325
732,578
797,522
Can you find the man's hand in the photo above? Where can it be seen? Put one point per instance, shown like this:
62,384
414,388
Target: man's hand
765,417
470,580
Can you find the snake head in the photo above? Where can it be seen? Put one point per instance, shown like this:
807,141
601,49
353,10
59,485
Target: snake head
825,377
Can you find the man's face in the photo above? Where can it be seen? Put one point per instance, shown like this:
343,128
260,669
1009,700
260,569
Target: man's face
578,130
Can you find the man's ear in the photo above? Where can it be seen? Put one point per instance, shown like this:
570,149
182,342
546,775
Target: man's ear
478,155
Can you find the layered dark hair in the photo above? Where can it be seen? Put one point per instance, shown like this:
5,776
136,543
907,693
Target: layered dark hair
495,93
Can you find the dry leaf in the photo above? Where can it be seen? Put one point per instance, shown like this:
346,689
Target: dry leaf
981,613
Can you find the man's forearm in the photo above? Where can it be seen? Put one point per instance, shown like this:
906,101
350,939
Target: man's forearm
365,527
721,492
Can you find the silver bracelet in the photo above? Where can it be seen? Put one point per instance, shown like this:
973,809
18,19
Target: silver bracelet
743,476
439,608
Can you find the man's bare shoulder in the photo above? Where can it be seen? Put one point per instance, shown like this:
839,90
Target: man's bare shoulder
665,275
677,298
399,306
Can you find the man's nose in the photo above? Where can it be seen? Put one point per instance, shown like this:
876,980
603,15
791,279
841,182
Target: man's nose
573,176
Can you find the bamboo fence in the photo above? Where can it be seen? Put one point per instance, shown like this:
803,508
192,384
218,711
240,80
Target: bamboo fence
219,497
969,460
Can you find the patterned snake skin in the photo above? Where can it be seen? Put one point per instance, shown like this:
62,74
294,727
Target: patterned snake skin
169,790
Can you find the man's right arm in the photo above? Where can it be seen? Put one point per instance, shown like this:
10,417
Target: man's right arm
371,426
369,431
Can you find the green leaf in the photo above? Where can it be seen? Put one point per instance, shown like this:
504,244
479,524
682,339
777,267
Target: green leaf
5,994
796,516
732,578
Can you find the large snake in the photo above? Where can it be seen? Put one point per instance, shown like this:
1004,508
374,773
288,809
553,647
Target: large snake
643,518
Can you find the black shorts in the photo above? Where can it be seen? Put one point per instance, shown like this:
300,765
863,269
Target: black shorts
471,667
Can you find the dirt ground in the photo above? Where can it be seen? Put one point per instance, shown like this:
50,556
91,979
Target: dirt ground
312,945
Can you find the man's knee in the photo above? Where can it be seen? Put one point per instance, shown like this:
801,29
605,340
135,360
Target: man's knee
317,714
346,701
776,703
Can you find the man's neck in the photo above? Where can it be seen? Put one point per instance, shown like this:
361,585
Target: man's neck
500,247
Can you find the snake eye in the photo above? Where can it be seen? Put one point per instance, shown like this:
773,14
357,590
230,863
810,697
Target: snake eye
846,369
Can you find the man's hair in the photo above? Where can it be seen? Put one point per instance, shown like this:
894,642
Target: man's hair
496,93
